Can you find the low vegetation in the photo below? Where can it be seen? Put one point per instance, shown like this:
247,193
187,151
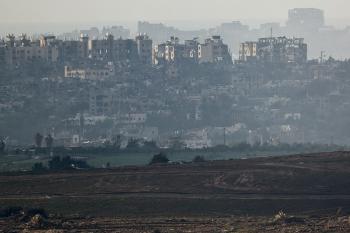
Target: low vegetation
159,159
199,159
58,164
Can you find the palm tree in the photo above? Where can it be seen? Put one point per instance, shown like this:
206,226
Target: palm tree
49,141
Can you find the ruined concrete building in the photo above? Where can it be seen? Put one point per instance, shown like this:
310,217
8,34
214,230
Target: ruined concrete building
144,49
214,51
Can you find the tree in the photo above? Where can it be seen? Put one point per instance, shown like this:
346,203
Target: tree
66,163
55,163
198,159
38,140
2,147
49,141
159,159
38,167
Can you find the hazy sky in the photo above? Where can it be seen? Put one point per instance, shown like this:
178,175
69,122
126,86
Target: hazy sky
133,10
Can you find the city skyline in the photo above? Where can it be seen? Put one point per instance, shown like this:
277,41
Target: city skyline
162,116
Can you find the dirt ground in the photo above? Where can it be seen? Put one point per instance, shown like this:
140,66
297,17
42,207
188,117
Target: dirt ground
200,197
185,224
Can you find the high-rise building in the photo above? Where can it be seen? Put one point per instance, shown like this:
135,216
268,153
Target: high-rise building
214,51
248,51
274,50
113,50
305,19
2,51
173,51
71,51
23,50
144,49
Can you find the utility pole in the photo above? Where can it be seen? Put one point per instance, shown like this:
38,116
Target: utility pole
271,34
224,136
271,45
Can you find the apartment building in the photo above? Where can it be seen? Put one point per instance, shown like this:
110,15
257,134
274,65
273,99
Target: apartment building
144,49
214,51
17,52
274,50
173,51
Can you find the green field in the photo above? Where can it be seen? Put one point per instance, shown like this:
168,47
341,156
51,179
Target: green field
25,162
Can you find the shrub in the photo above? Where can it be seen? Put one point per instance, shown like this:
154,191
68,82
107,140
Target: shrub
10,211
31,212
198,159
159,159
66,163
38,167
